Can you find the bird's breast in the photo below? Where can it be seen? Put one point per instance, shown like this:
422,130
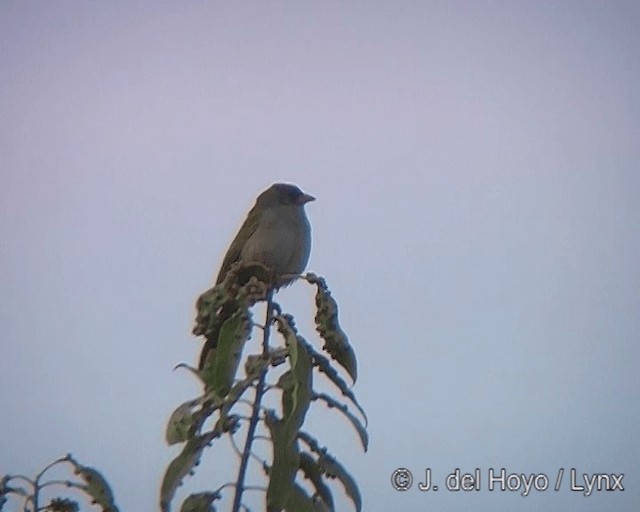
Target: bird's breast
282,240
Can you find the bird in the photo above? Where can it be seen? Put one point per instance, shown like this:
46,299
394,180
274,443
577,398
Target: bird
276,234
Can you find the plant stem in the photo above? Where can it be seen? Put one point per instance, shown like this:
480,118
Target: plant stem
253,422
36,483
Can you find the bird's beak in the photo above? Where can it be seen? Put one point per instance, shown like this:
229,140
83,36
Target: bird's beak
305,198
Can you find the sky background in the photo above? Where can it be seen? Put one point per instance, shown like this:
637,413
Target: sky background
476,168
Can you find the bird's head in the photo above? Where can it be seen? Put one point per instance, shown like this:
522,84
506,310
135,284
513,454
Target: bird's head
281,194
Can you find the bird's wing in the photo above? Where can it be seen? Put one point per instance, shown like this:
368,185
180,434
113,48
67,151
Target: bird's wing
247,229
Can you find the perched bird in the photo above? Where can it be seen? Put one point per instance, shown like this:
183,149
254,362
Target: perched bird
277,234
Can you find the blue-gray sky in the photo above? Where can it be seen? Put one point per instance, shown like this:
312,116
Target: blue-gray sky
476,168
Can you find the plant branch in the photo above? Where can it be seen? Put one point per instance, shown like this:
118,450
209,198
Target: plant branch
253,422
36,483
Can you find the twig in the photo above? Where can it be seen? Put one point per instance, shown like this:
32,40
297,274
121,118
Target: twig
36,483
253,422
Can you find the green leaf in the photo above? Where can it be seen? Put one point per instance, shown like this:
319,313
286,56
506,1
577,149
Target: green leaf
333,469
286,384
256,368
183,465
182,421
296,397
285,463
185,366
207,307
200,502
254,364
61,505
212,400
243,285
313,472
96,486
324,365
360,428
233,335
300,501
327,325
